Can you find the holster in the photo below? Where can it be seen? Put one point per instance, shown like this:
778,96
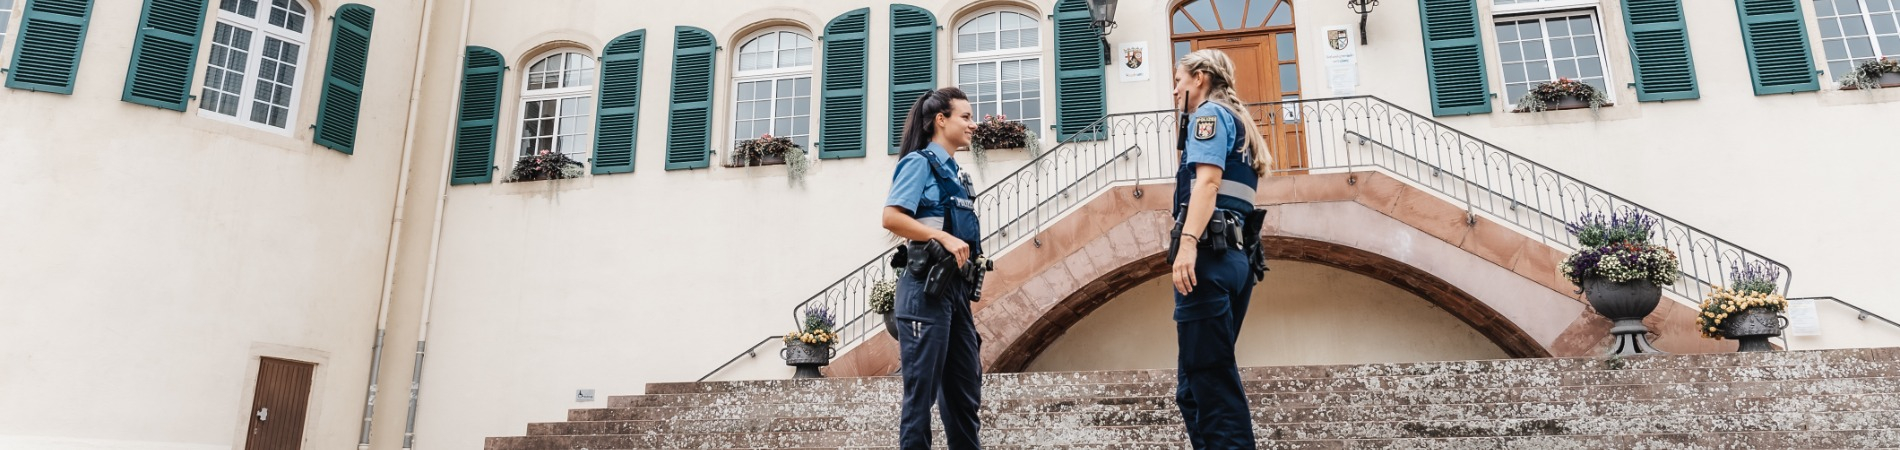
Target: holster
937,268
1256,249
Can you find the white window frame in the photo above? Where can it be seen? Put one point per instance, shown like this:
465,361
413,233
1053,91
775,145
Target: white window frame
774,75
1548,10
585,89
1873,39
959,59
260,28
1543,5
6,18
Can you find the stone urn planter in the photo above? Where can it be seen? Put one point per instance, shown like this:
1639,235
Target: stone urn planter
890,324
807,358
1625,304
1752,327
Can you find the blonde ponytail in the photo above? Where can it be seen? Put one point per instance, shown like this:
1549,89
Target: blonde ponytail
1220,90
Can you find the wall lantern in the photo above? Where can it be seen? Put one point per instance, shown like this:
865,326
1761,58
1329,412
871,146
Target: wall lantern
1363,7
1102,15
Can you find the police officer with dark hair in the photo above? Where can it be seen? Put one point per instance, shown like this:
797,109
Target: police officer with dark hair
930,205
1214,248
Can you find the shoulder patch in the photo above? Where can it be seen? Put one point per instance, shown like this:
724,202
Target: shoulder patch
1204,127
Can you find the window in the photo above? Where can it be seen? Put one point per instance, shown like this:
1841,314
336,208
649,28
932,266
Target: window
999,66
1545,47
773,88
1857,31
557,105
256,51
6,16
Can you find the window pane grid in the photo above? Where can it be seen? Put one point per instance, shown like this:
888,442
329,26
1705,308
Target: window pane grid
780,107
776,50
278,72
557,125
1002,30
224,75
1538,50
561,71
6,15
1010,88
1854,32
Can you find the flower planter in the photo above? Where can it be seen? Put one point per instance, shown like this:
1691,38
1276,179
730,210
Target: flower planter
807,358
890,323
1886,80
1752,327
1625,304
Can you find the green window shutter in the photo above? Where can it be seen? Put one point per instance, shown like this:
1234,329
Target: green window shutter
1659,46
163,53
46,58
1454,57
618,131
1776,37
1081,79
689,115
338,112
913,63
476,118
847,73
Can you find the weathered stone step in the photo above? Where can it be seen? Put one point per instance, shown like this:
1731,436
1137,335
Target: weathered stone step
1348,388
1628,394
1163,411
1812,358
1170,436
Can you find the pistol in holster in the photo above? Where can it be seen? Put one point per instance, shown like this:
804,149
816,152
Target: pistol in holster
937,268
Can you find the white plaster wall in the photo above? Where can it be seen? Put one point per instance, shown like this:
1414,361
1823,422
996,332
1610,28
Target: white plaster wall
152,256
1302,314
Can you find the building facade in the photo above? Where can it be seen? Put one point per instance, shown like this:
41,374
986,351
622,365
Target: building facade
218,206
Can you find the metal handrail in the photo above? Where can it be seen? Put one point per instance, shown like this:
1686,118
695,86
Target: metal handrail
1332,135
1864,314
749,351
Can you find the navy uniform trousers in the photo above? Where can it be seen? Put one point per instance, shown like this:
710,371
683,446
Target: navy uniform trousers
939,347
1213,404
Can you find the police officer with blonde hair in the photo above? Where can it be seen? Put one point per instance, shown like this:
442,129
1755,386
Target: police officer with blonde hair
1215,248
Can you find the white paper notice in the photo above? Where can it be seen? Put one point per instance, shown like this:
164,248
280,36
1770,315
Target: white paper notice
1803,319
1132,57
1342,60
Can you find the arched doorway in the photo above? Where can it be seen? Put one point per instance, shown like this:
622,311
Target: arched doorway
1259,36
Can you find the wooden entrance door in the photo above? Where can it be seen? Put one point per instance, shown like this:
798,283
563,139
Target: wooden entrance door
1259,36
278,405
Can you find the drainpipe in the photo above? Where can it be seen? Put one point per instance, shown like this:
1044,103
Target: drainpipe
435,233
395,228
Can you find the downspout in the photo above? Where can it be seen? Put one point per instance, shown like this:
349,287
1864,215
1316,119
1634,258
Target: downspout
395,227
435,233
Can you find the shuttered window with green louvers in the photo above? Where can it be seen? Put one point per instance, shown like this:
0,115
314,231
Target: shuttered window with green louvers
1775,34
841,128
913,63
1081,76
689,108
476,117
52,33
1454,57
617,133
342,102
163,53
1659,48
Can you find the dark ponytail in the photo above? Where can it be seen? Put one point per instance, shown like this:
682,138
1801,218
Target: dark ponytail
921,124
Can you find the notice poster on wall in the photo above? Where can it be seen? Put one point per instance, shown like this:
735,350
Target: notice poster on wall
1803,319
1133,58
1341,59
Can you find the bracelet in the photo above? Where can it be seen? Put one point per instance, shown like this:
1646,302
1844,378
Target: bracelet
1196,238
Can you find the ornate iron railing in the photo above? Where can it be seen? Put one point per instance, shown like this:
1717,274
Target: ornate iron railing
1306,136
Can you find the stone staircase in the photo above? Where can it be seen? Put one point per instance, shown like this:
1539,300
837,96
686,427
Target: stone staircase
1782,400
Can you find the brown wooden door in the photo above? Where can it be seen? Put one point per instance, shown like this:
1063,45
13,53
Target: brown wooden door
1267,69
278,406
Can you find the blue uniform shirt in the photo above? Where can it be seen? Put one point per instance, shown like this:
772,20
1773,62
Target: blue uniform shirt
913,183
1212,138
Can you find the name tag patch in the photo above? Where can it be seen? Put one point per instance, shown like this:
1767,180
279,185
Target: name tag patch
1204,127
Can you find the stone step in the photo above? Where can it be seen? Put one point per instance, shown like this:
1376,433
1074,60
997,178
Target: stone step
1811,358
1598,378
1269,437
1164,398
1446,422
